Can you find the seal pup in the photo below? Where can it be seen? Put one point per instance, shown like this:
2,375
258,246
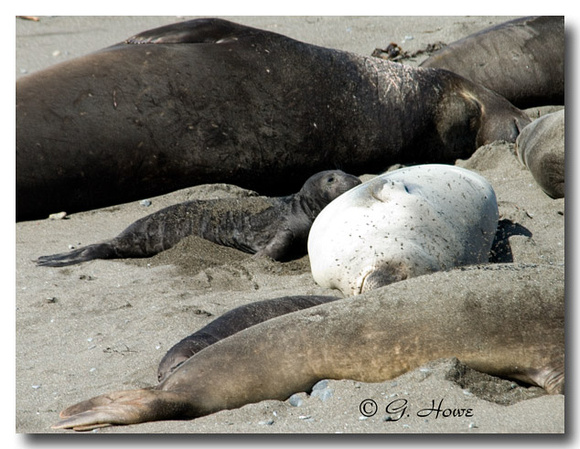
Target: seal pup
208,101
498,319
404,223
541,148
230,323
522,60
271,227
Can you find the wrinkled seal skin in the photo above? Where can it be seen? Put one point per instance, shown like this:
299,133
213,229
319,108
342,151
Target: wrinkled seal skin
522,60
209,101
273,227
541,148
404,223
500,320
232,322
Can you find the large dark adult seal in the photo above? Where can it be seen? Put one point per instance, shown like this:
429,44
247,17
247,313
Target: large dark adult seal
541,148
497,319
522,60
210,101
231,323
274,227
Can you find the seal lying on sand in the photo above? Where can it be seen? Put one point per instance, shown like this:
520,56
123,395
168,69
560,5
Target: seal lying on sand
273,227
522,60
404,223
498,319
209,101
230,323
541,148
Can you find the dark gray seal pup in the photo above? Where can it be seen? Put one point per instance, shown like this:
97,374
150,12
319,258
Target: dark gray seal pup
541,148
496,319
522,60
209,101
231,323
274,227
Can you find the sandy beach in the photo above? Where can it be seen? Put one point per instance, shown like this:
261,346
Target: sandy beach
104,325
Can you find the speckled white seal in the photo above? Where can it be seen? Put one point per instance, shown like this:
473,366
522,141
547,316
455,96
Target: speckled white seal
401,224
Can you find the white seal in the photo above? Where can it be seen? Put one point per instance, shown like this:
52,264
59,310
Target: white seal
401,224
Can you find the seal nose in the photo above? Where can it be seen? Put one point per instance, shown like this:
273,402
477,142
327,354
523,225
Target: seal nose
383,192
348,181
505,125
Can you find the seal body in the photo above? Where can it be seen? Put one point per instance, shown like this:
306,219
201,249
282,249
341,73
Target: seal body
273,227
497,319
541,148
522,60
233,322
209,101
405,223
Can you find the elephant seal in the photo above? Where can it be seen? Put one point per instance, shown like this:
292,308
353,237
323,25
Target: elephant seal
209,101
404,223
272,227
230,323
498,319
522,60
541,148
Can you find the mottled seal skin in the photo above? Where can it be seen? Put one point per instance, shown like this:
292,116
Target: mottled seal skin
272,227
404,223
541,148
231,323
209,101
522,60
497,319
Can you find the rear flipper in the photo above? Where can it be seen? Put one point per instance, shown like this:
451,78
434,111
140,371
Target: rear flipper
95,251
550,378
126,407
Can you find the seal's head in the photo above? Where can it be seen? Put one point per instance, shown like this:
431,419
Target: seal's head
497,119
323,187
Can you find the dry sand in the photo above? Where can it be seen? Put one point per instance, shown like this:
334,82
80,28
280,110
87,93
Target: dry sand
102,326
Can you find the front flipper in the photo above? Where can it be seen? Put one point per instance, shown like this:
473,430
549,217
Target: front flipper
194,32
280,247
125,407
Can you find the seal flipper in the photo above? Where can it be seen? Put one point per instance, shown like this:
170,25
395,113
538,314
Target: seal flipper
278,248
126,407
96,251
551,378
199,31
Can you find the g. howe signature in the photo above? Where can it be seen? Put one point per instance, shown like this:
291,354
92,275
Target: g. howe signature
400,408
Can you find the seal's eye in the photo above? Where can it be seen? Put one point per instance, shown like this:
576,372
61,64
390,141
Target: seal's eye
331,179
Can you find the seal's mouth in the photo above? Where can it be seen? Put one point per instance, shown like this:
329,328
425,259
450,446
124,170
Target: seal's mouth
360,287
374,277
